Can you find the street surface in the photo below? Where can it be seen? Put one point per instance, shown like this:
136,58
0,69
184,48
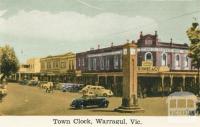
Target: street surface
27,100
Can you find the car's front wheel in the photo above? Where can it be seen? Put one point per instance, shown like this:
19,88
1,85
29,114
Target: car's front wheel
105,94
104,105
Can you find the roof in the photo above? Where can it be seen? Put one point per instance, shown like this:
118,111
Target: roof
183,93
102,50
61,55
173,45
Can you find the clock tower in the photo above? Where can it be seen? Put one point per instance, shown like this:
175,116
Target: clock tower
129,97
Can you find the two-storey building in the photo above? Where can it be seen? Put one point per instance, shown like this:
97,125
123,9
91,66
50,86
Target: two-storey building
163,67
56,67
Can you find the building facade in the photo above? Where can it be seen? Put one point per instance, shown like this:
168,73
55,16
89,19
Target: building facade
100,60
58,64
163,67
58,68
34,65
29,70
169,54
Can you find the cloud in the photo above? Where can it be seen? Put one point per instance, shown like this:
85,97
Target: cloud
2,12
71,26
89,5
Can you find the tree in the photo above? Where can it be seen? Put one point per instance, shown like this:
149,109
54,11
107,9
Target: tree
9,63
193,34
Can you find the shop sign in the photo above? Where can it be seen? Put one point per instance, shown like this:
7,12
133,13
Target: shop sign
152,69
147,63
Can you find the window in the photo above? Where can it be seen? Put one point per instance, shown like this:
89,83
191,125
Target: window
164,59
79,62
148,42
83,62
120,61
43,65
94,64
116,62
186,61
70,65
148,56
48,65
89,64
101,63
54,64
107,63
57,64
63,64
177,61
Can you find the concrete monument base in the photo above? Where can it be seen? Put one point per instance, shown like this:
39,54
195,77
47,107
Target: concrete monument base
132,109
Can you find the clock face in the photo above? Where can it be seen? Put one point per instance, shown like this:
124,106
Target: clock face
132,51
125,51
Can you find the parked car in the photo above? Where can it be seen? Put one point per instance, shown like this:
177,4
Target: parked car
97,91
90,101
47,85
86,88
3,90
41,83
58,86
33,82
71,87
24,82
198,107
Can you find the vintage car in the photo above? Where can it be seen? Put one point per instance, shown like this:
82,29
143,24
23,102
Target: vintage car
41,83
33,83
3,90
71,87
198,107
97,91
46,85
24,82
90,101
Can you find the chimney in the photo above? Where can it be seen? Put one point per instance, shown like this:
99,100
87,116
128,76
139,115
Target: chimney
91,49
127,41
171,42
156,33
112,44
141,34
133,42
98,46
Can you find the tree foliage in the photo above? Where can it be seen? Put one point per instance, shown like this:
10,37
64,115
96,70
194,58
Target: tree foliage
193,34
9,63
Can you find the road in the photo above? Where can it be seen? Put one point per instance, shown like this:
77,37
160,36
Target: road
27,100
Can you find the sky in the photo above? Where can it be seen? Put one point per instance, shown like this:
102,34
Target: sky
39,28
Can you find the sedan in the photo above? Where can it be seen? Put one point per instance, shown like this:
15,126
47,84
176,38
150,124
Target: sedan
90,101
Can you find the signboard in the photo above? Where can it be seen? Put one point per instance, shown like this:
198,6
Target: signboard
147,63
153,69
153,49
78,73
